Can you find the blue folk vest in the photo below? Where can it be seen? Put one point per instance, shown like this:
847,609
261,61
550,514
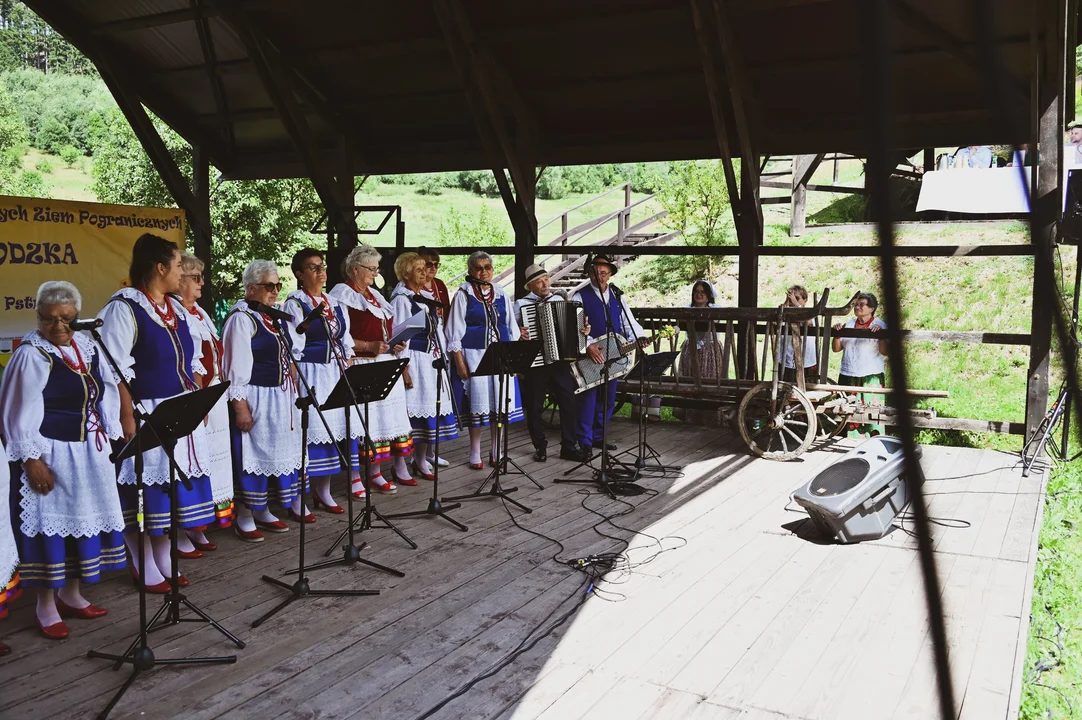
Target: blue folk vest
317,346
163,357
477,332
595,312
68,398
268,349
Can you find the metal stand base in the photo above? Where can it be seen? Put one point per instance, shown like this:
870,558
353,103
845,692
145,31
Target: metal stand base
435,509
351,555
497,490
364,522
301,589
142,657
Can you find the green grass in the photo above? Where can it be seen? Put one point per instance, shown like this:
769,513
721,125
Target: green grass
63,183
1053,665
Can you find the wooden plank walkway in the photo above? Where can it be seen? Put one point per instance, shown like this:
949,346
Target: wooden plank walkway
747,614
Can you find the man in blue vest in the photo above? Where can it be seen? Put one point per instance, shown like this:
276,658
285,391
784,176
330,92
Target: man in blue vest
595,299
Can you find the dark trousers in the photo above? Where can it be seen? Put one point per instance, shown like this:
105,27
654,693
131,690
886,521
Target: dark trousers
556,380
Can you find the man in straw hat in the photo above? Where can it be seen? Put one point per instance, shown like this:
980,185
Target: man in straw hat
554,379
594,299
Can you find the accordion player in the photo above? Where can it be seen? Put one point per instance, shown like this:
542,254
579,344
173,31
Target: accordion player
550,374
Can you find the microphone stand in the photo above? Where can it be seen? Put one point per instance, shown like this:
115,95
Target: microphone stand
139,653
435,507
351,552
301,587
643,448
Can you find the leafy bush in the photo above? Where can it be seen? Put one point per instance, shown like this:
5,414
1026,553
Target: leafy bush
53,135
430,185
552,185
69,154
44,166
479,182
74,101
31,184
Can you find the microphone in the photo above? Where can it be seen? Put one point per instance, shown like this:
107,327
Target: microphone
302,326
434,304
615,290
86,324
273,313
476,281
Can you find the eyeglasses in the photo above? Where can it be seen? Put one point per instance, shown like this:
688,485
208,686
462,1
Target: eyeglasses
482,268
861,304
371,269
270,287
55,321
432,265
194,277
316,268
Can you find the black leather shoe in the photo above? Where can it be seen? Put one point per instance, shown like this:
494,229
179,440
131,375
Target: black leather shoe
540,455
610,446
578,454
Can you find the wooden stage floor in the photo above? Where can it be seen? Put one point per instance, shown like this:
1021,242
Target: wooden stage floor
746,615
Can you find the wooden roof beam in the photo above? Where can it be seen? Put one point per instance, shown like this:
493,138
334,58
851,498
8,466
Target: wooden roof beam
952,44
487,94
275,77
210,56
145,22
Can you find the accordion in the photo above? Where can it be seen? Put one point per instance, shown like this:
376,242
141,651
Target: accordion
558,325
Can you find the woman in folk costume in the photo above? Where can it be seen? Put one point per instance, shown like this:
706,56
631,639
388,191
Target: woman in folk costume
9,553
422,351
323,355
60,409
481,313
219,455
371,321
435,289
266,429
707,352
149,333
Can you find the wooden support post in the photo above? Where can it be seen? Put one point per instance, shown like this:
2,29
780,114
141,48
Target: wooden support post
929,159
339,246
201,226
804,166
1046,208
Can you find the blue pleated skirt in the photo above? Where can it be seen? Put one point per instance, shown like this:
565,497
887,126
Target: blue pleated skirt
259,491
48,561
323,460
195,507
425,429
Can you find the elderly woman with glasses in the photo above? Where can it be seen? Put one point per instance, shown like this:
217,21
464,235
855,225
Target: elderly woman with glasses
324,353
148,331
60,411
371,321
481,313
262,399
218,450
862,358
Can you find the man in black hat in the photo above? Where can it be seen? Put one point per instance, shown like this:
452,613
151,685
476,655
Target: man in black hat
594,299
554,379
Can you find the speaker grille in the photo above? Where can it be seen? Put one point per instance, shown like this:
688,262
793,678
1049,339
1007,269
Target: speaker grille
840,477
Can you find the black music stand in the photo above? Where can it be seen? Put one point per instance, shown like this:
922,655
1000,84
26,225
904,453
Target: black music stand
502,359
649,367
368,383
173,419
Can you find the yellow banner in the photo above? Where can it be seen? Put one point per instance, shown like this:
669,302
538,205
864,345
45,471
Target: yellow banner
87,244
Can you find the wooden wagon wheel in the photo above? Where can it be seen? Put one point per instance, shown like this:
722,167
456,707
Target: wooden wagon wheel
831,416
782,434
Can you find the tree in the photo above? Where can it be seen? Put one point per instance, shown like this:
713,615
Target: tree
251,219
695,195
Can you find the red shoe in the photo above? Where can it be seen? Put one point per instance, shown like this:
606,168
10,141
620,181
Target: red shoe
205,547
387,488
426,476
250,536
56,631
309,518
161,588
4,650
90,612
181,581
275,527
189,554
477,466
407,481
332,509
